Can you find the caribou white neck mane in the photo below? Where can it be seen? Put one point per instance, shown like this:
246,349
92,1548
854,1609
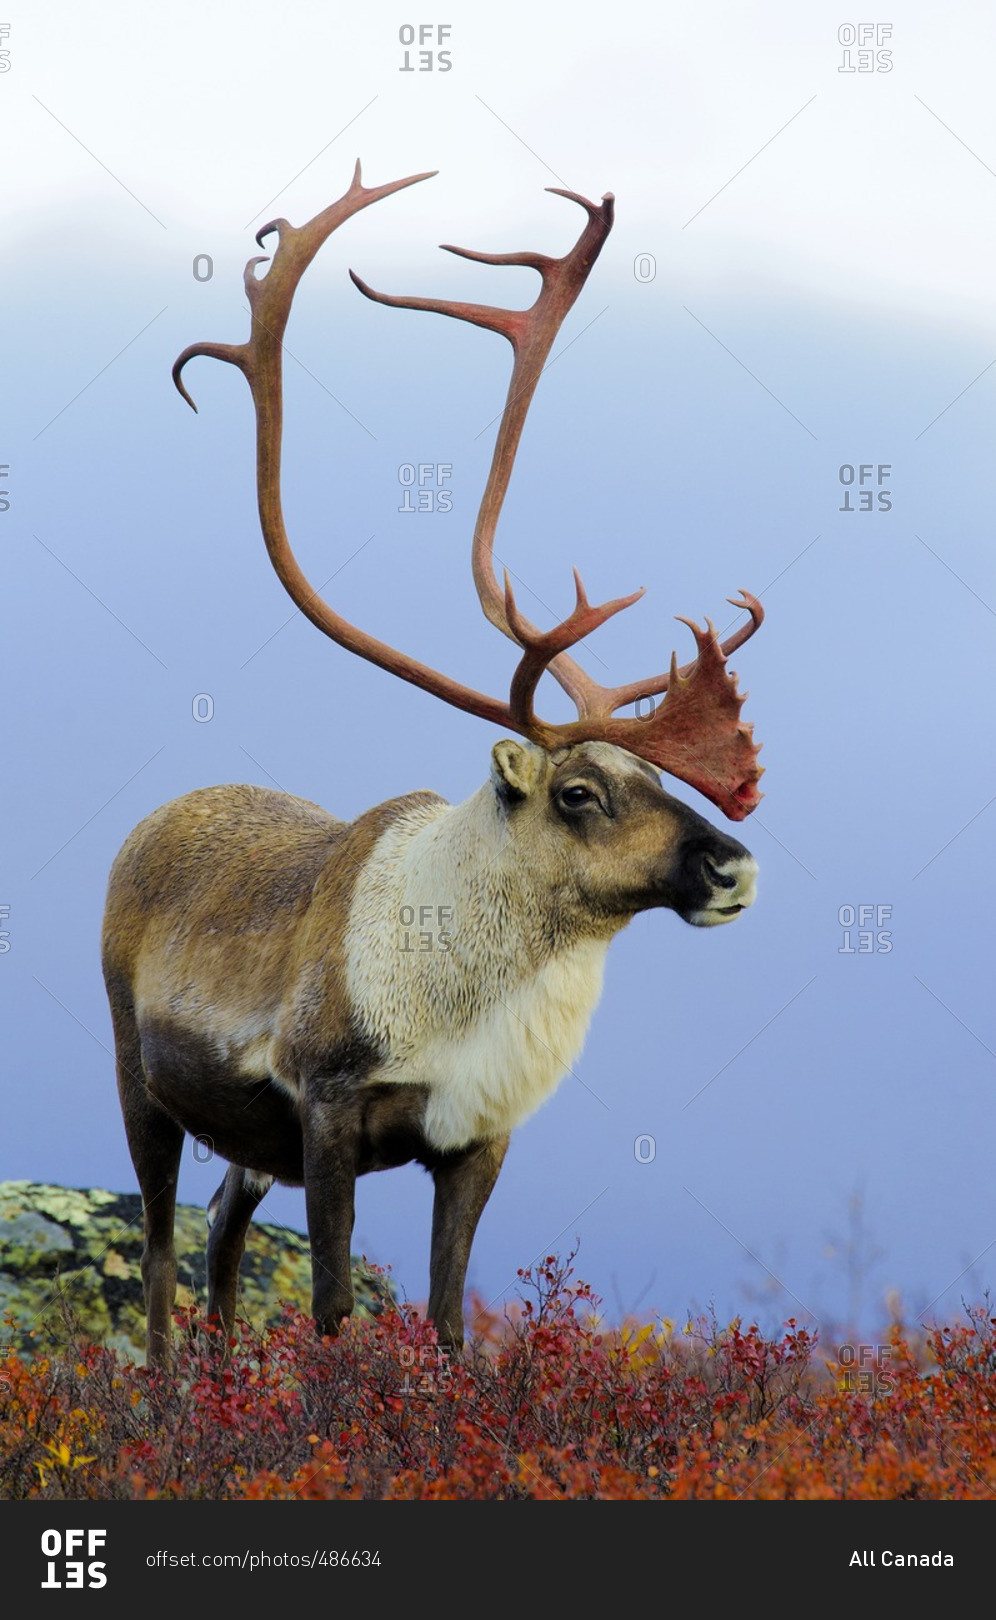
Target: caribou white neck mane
494,1011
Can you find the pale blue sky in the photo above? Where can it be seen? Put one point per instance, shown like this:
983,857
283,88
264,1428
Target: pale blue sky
827,303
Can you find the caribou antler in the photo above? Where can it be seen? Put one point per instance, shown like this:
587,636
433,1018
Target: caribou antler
696,733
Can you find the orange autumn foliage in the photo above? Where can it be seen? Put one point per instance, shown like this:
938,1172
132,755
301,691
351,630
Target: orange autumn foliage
548,1404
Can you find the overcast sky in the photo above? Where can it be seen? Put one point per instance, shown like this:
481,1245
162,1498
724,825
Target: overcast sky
800,281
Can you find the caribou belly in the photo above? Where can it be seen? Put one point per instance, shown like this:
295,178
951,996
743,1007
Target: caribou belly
224,1095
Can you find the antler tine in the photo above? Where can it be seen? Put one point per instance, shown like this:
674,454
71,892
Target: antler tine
617,697
496,320
531,333
696,733
542,646
233,353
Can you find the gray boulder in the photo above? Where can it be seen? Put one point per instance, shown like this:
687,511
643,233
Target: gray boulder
82,1247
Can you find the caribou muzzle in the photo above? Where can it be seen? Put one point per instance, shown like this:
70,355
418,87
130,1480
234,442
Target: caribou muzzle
717,882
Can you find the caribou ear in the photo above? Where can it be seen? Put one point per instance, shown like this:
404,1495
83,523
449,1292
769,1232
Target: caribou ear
517,768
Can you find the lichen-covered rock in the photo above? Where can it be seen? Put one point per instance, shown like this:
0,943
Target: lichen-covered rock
83,1246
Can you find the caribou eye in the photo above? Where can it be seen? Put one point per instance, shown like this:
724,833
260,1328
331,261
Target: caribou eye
573,796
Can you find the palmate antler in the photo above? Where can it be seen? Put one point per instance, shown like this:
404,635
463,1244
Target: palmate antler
696,733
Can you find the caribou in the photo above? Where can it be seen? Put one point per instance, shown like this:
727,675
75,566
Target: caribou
253,953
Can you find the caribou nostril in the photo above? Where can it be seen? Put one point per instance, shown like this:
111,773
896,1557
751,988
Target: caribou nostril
723,879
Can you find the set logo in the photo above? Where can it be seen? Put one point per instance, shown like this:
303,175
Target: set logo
67,1565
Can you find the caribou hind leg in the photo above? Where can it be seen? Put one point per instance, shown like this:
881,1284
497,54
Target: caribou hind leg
229,1213
155,1141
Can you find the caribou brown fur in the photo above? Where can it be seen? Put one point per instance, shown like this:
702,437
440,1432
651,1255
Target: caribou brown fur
273,993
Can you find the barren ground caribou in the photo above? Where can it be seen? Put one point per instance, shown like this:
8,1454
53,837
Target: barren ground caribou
251,940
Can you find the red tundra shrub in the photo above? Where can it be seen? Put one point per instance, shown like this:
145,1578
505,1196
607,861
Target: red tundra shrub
549,1403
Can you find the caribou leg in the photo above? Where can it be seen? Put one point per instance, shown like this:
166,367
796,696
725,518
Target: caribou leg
331,1151
463,1184
229,1213
156,1144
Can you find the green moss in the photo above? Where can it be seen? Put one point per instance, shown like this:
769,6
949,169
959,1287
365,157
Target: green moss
82,1248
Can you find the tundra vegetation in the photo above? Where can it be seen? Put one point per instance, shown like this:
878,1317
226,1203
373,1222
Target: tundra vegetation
549,1403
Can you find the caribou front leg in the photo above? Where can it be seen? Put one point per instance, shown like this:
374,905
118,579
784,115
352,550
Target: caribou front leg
463,1183
331,1130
